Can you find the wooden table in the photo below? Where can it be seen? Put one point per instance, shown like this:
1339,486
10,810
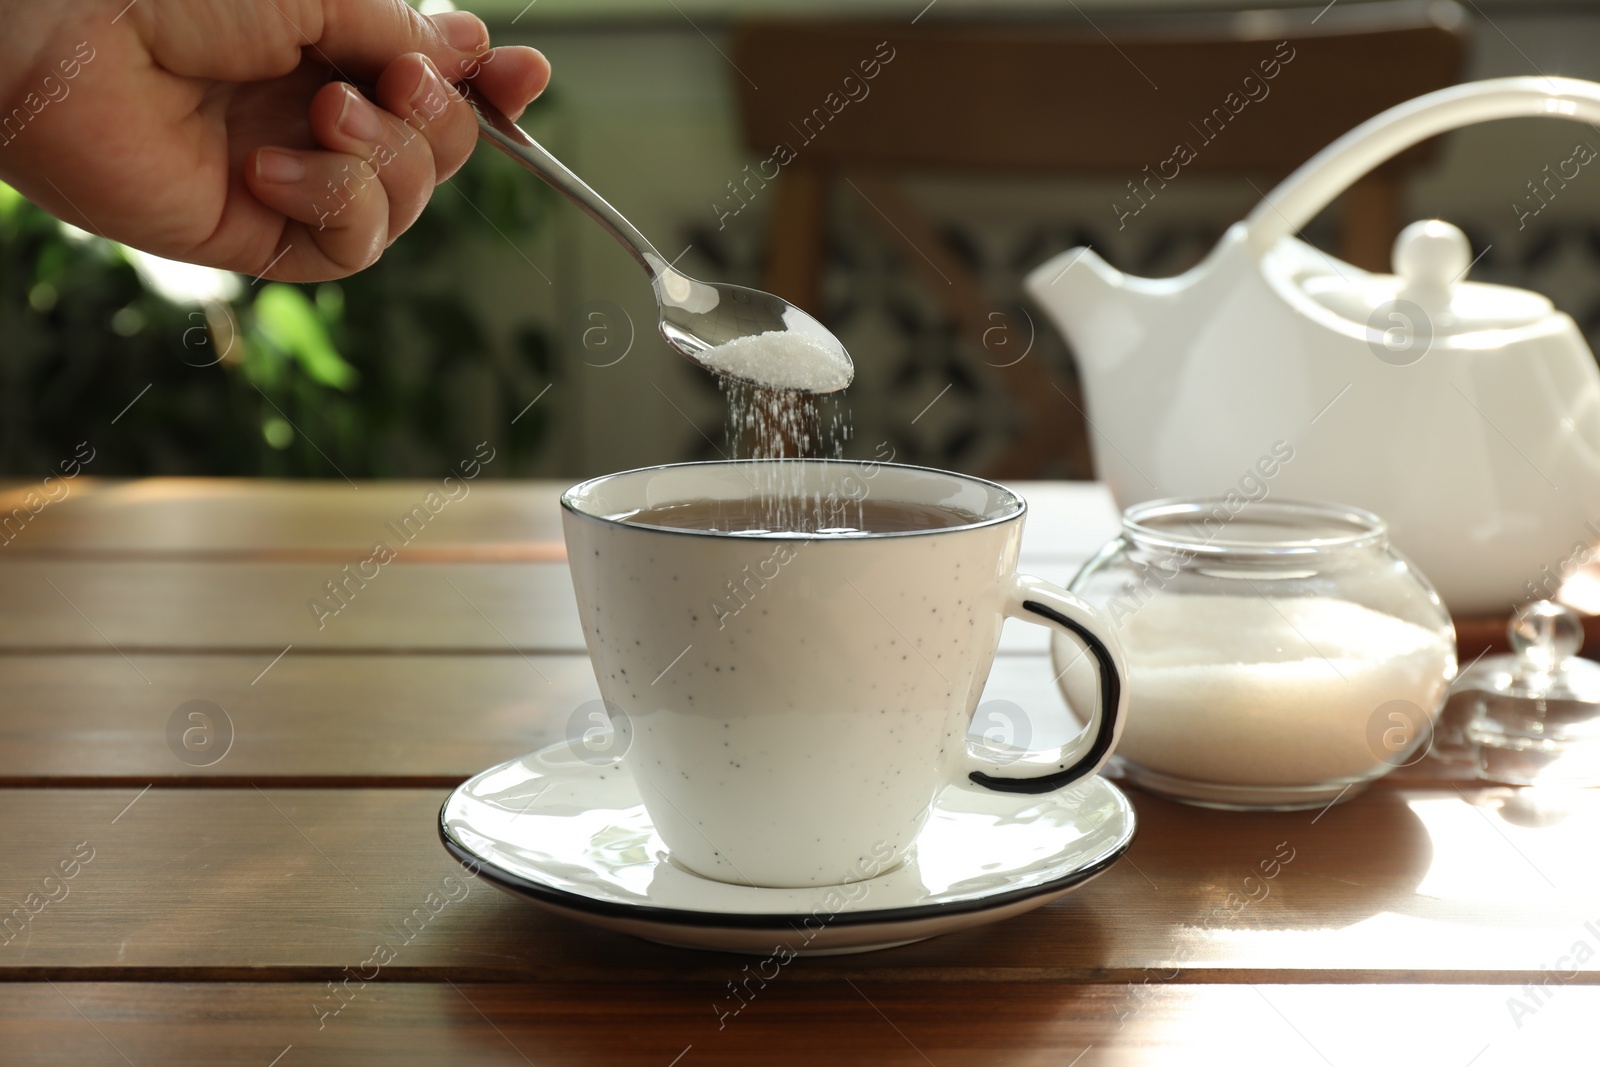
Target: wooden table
211,909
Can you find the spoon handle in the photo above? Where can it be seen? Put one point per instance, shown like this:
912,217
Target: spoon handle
514,142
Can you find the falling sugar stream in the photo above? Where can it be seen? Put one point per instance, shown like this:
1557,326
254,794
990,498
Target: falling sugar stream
784,427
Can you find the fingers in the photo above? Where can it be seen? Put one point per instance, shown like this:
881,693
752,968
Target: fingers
417,132
338,208
511,77
381,159
380,163
466,33
376,173
407,156
432,114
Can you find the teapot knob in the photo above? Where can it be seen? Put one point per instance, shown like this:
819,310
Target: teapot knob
1431,255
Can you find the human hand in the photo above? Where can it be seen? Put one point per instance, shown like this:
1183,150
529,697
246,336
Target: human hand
226,133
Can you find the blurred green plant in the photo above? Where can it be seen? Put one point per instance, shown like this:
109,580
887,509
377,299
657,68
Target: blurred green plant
391,372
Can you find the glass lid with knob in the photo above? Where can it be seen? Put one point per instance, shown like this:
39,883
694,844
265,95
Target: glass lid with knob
1534,715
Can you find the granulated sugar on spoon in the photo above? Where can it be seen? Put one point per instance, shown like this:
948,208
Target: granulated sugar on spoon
781,359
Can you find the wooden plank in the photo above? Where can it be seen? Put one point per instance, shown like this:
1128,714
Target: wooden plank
302,720
263,607
220,519
237,518
309,719
1397,885
790,1022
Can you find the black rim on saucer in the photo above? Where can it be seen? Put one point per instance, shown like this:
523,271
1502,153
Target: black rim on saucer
677,917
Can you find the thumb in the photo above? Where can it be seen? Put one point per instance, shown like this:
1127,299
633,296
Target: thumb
248,40
362,37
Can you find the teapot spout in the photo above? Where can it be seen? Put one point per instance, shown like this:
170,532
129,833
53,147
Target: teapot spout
1106,316
1132,339
1113,320
1074,289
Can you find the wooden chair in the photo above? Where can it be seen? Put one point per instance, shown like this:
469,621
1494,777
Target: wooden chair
1037,97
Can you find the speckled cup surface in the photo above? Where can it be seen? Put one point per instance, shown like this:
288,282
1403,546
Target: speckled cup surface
795,703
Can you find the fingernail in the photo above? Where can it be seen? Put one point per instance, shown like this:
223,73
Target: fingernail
273,165
358,118
430,95
464,31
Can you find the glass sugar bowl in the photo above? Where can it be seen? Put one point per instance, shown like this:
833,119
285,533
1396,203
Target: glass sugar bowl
1281,655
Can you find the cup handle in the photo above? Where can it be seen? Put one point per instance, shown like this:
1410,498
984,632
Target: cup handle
1034,600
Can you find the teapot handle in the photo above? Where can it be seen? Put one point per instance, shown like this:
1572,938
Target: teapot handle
1299,197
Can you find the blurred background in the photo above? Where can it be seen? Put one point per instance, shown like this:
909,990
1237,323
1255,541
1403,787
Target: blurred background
936,152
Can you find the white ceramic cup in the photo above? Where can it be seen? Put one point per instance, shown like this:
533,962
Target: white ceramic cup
794,704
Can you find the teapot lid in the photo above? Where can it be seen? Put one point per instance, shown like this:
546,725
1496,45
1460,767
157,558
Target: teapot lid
1428,290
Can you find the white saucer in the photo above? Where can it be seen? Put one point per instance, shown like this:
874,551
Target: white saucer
574,838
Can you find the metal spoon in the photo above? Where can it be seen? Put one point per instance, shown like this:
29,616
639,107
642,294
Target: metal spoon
694,315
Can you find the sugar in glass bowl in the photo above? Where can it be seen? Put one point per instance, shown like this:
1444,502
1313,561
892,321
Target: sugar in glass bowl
1281,655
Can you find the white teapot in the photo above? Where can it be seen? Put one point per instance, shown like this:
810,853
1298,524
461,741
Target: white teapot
1467,415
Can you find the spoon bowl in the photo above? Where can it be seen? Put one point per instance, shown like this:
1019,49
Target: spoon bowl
705,322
